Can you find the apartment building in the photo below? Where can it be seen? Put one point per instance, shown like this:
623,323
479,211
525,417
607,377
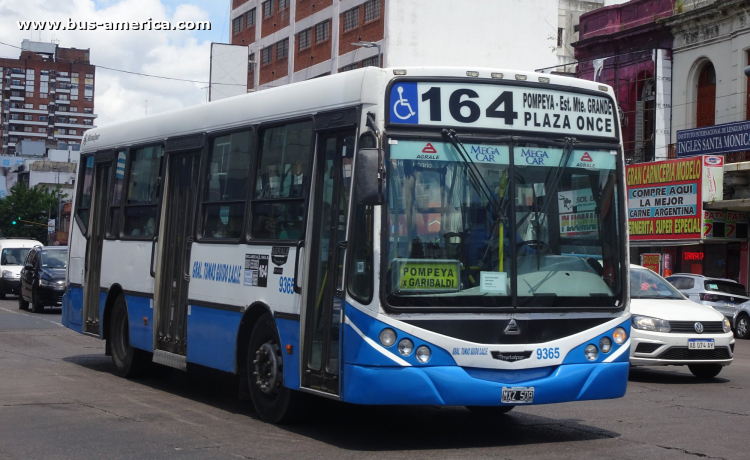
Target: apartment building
47,94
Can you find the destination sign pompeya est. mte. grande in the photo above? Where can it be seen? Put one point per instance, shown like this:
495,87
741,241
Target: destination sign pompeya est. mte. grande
498,106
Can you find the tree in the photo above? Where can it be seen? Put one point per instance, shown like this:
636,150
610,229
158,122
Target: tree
35,205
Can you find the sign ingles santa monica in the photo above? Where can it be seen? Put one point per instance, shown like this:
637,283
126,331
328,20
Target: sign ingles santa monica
714,140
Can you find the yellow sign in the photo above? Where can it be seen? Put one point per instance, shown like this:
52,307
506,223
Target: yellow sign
420,275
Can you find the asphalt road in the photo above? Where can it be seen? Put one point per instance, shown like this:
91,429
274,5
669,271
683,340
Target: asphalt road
59,399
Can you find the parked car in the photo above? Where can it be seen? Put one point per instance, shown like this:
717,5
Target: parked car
722,295
43,278
670,330
13,253
741,321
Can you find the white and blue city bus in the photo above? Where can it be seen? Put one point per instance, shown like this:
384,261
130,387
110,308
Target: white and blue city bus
437,236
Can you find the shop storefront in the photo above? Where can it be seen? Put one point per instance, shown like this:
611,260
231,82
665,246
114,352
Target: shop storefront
671,231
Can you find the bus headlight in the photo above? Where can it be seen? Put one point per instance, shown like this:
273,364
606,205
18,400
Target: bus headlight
619,335
591,352
405,347
423,354
726,325
605,344
387,337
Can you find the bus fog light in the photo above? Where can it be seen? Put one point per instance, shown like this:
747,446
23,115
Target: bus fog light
591,352
387,337
423,354
605,344
619,335
405,347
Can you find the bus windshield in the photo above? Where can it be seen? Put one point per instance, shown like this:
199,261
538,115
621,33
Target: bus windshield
526,225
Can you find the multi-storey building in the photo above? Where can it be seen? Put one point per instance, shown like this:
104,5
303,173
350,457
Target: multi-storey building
47,94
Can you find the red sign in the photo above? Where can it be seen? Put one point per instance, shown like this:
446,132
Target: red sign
664,199
429,149
652,262
586,157
689,255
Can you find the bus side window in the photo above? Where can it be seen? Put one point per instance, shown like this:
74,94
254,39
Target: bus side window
143,192
226,186
114,210
282,181
83,207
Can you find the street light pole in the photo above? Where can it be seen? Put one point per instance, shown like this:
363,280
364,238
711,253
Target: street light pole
364,44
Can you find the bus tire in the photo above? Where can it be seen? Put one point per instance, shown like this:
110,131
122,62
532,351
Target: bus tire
129,362
489,411
273,402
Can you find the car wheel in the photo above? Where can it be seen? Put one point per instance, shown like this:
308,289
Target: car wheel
742,327
489,411
128,361
22,304
705,371
2,294
36,305
273,402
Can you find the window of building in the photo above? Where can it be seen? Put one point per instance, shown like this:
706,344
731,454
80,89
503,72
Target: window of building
349,67
141,203
15,93
560,33
250,18
16,82
43,95
74,75
42,106
282,49
72,132
237,25
28,106
42,118
28,117
64,108
15,116
283,4
304,39
226,187
706,106
265,55
267,9
89,76
113,231
87,121
75,109
322,31
372,10
85,110
61,131
84,193
62,74
62,97
41,130
351,19
251,62
282,181
28,129
89,99
371,62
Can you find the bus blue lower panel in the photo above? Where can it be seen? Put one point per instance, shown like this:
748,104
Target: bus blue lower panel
454,386
212,337
72,314
141,332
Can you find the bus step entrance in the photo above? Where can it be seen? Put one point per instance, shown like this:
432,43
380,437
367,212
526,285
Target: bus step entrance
170,359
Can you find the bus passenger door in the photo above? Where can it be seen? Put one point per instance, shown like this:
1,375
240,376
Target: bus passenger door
94,245
173,269
324,307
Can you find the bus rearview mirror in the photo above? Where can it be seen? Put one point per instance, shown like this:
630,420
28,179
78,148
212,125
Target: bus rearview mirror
368,184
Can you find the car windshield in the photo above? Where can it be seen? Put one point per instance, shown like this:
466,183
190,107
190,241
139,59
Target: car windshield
645,284
467,228
727,287
14,256
54,258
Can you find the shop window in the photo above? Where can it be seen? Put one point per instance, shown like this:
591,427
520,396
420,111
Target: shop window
144,183
706,111
282,181
226,186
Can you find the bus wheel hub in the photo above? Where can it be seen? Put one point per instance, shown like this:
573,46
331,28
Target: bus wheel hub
267,373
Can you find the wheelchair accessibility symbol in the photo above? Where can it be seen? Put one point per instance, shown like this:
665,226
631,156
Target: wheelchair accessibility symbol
404,104
404,107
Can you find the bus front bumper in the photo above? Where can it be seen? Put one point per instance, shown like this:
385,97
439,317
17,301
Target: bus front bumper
454,386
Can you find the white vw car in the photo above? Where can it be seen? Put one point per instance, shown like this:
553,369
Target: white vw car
670,330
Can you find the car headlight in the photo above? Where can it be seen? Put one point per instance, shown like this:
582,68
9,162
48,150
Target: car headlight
646,323
7,274
46,283
726,325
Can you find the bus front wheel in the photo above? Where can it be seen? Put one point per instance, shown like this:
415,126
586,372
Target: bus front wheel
128,361
273,402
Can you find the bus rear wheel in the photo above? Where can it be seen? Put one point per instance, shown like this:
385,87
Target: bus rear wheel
273,402
128,361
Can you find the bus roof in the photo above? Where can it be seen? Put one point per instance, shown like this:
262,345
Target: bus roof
287,101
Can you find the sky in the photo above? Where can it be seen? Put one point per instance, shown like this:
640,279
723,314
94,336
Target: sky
119,96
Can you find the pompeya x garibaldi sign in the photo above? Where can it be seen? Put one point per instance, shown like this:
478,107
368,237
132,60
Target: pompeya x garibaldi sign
665,198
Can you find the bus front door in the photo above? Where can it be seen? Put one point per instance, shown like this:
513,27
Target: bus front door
94,245
325,249
173,270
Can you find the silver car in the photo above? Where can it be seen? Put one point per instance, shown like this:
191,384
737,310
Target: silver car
722,294
742,321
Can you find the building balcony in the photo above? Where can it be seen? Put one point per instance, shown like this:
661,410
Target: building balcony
75,114
76,137
65,79
28,122
61,101
18,87
17,98
24,133
60,90
73,125
40,112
